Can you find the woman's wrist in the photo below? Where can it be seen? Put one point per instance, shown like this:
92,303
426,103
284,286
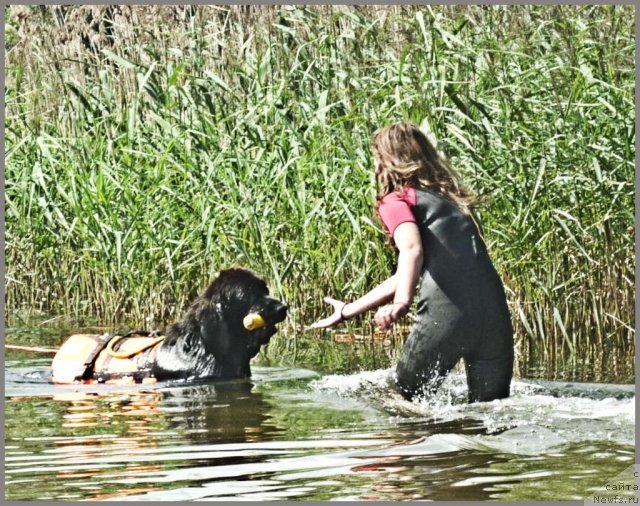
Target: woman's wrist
405,306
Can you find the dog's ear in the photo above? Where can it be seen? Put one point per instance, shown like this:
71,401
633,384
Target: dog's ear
214,330
219,340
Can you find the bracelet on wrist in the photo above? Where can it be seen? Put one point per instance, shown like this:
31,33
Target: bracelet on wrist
342,316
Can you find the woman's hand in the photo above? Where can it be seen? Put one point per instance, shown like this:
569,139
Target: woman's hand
335,318
389,313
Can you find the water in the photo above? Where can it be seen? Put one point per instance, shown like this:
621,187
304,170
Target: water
295,434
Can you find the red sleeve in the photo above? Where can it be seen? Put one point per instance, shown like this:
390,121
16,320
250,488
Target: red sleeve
395,209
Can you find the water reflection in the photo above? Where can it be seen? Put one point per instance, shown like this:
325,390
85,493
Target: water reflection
592,364
221,412
229,412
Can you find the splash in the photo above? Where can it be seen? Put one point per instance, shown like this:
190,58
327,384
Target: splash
537,414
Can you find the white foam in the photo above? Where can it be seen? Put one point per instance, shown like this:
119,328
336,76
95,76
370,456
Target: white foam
562,418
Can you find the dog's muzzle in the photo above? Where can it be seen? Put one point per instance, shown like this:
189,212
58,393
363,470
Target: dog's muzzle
255,320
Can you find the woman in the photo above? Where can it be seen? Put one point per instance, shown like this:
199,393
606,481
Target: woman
462,310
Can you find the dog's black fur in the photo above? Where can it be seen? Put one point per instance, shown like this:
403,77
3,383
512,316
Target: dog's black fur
211,341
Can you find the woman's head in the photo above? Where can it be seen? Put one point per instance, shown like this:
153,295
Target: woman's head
404,157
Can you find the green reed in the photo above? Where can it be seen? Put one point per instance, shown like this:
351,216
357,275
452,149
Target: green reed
149,147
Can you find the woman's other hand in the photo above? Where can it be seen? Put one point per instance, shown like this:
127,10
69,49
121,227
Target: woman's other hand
386,315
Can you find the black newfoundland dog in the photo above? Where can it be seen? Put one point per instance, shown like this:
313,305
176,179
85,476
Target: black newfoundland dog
222,331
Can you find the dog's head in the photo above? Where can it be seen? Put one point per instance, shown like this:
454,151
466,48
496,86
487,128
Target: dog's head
237,316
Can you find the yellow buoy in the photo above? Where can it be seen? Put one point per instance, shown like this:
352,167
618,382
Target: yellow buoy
253,321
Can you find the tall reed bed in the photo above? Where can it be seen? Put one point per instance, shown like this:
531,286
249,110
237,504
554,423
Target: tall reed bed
149,147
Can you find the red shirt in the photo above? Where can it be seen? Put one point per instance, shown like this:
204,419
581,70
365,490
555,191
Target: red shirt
395,208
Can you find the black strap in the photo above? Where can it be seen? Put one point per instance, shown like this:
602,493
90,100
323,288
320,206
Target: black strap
90,361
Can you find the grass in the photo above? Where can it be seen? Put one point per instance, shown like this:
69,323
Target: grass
149,147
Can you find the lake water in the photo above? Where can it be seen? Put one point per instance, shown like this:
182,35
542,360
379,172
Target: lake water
295,434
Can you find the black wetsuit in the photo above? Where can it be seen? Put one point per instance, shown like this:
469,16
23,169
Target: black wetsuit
462,310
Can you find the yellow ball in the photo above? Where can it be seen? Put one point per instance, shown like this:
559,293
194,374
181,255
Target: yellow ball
253,321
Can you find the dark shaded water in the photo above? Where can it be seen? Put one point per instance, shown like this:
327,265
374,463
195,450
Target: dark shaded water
296,434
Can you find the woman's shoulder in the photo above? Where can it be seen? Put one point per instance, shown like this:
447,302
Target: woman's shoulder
396,208
406,195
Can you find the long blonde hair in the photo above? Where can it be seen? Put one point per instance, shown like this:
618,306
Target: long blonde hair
406,159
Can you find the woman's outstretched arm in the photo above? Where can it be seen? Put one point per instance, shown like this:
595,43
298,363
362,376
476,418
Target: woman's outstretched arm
400,287
343,311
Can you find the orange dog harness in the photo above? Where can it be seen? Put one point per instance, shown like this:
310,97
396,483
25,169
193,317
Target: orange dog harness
90,358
